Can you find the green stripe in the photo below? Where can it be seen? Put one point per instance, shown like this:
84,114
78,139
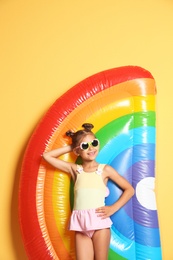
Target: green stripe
130,121
114,256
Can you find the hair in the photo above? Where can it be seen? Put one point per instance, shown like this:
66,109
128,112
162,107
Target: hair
77,136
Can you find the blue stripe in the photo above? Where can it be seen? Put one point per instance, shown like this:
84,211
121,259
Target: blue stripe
124,141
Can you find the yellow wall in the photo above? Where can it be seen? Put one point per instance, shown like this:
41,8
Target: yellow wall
48,46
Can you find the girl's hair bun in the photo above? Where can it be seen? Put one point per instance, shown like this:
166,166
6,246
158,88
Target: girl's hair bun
69,133
88,127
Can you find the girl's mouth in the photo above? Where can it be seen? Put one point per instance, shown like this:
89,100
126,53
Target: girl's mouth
91,153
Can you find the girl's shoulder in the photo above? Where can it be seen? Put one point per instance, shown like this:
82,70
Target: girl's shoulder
107,170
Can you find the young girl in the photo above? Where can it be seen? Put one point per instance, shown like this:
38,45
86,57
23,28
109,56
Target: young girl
90,217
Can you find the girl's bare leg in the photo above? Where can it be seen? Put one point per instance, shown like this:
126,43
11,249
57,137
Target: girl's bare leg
84,247
101,241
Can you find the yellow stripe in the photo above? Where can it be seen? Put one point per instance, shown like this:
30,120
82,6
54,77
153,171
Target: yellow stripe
120,108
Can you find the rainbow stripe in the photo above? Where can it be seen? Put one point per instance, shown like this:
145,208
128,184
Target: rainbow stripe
120,103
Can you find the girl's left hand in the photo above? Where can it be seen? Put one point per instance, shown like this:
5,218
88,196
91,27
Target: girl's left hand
105,211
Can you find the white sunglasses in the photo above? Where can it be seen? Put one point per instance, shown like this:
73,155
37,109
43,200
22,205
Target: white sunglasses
86,145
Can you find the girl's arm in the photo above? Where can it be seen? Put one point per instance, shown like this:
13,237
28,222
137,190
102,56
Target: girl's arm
128,192
52,158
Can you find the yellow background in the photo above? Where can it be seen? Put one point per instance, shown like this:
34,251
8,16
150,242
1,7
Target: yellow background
48,46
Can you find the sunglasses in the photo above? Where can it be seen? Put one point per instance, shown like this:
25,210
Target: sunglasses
86,145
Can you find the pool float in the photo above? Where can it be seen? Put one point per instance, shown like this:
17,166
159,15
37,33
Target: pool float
120,103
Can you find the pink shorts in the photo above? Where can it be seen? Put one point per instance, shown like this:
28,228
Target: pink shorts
88,220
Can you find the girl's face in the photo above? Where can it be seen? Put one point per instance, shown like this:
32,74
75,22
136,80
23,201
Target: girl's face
88,147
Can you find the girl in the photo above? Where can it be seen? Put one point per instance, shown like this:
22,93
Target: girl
90,217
